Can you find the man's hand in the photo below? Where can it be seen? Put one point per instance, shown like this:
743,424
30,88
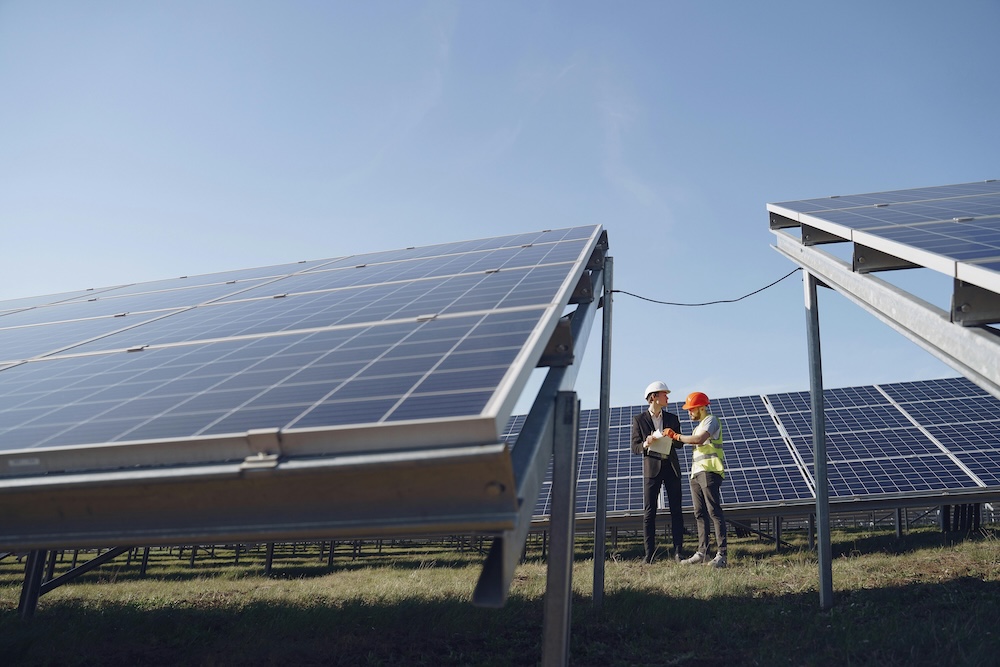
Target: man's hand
672,434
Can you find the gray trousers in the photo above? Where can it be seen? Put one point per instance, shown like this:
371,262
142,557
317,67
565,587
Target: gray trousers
707,498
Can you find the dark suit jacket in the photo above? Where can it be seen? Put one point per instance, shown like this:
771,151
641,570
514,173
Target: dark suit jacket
642,426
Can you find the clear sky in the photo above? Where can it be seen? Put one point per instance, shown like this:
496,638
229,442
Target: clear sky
148,140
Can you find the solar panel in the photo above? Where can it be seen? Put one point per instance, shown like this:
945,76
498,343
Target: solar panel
881,208
952,229
888,441
438,340
984,464
896,475
760,485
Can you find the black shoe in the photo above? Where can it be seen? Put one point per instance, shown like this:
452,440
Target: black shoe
647,559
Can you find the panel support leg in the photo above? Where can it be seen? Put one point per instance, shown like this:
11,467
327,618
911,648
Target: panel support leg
825,552
269,559
603,434
34,568
559,577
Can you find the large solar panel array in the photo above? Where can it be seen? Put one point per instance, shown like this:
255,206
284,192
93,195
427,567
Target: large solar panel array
887,441
443,334
954,229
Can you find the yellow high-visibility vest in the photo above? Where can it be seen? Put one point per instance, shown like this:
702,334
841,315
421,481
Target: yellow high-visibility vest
709,456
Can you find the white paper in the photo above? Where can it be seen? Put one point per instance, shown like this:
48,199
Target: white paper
661,445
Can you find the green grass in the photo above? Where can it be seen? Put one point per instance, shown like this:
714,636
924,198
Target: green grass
924,599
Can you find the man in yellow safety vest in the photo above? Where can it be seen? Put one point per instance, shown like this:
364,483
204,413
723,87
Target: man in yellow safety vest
707,473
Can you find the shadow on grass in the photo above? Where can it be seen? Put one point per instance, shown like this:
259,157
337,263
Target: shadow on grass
952,622
907,543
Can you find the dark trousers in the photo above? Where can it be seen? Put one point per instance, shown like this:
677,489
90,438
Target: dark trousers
706,496
651,491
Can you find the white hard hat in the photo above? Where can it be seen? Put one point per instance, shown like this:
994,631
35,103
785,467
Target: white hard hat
655,387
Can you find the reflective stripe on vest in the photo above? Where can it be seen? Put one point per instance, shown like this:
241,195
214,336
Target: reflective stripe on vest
709,457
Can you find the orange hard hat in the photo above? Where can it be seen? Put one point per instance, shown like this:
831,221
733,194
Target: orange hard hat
695,399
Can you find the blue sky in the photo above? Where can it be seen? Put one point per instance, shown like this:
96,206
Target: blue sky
141,141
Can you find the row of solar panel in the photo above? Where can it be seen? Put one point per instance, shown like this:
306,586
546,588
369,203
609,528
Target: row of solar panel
414,334
910,437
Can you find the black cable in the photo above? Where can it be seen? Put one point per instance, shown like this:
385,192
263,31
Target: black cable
709,303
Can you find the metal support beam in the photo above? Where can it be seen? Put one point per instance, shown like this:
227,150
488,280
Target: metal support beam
603,433
819,444
559,577
754,531
816,236
34,567
972,305
870,260
269,559
91,564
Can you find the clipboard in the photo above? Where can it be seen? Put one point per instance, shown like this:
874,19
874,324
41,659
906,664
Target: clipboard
661,447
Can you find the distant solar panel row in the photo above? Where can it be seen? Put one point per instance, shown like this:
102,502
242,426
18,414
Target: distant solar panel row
885,440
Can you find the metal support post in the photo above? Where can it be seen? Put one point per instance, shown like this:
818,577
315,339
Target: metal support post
34,568
819,444
50,566
559,577
269,559
603,432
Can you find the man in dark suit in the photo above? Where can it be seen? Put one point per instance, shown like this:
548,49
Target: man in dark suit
658,468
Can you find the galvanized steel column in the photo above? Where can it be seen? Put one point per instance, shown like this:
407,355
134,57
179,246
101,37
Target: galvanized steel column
559,578
604,427
819,444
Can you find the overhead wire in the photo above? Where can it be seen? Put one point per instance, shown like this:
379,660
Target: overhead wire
709,303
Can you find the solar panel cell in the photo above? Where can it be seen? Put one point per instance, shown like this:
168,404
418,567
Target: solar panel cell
763,485
984,464
968,437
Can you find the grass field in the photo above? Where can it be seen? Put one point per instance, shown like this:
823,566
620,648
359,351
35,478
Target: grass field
923,599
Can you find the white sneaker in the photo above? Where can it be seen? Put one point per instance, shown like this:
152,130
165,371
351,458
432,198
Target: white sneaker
695,559
718,561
